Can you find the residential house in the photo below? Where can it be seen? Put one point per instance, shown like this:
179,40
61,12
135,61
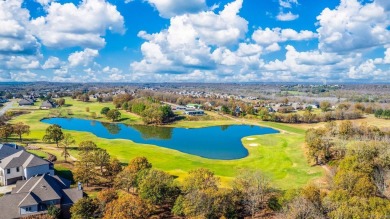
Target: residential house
48,104
26,102
193,106
195,112
3,100
35,195
237,110
315,105
17,164
297,106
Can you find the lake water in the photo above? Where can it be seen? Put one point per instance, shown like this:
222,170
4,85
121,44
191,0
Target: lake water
217,142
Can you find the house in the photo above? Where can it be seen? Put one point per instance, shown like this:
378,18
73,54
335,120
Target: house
181,108
270,109
3,100
297,106
314,105
237,111
48,104
35,195
17,164
193,106
195,112
218,108
26,102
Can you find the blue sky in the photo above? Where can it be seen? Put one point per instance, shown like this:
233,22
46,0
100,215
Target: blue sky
195,40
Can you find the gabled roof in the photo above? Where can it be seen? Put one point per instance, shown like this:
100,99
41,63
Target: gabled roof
8,149
9,205
22,158
45,187
36,190
48,103
26,102
29,200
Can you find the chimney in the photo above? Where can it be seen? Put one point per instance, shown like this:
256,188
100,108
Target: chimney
79,186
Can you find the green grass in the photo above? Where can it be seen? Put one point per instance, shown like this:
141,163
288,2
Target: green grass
64,172
39,153
284,127
279,156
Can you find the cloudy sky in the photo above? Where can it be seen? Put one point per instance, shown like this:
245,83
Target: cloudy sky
195,40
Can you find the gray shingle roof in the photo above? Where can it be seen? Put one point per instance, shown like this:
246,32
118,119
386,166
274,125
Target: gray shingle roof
8,149
71,196
45,187
36,190
29,200
26,102
9,205
22,158
48,104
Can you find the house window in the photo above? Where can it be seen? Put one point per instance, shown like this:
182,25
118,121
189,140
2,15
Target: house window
28,208
17,169
8,171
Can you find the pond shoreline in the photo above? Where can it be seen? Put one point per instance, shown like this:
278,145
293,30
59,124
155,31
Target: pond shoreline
223,142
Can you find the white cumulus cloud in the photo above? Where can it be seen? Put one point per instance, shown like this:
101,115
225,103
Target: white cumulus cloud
52,63
287,16
15,38
276,35
354,26
287,3
171,8
82,58
84,25
187,43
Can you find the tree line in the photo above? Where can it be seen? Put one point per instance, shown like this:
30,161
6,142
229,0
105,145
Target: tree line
382,113
140,191
19,129
308,116
150,109
358,184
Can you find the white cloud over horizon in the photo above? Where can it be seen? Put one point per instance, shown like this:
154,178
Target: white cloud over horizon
198,42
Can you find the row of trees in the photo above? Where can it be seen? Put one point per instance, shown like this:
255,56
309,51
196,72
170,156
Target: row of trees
151,111
149,192
382,113
19,129
112,114
308,116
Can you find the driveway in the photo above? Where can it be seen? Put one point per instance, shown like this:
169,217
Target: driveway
6,107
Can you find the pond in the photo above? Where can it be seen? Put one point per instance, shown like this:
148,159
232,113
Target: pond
216,142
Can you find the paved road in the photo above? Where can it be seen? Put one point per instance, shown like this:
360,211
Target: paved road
6,107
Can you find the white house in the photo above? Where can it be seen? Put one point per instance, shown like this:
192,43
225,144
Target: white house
17,164
194,112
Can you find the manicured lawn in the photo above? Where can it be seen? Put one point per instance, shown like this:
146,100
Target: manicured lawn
63,170
39,153
279,156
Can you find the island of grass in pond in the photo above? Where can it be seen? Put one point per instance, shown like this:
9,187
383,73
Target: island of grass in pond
217,142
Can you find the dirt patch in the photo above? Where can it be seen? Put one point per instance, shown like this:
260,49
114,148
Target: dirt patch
253,145
250,139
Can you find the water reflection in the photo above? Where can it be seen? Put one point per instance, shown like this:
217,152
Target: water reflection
154,132
112,128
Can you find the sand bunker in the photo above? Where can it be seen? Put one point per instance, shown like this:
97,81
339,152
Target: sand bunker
250,139
253,145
